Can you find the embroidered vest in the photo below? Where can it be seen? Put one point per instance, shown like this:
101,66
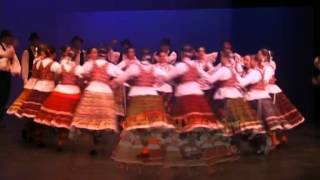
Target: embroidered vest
145,78
191,75
231,82
45,72
99,73
68,77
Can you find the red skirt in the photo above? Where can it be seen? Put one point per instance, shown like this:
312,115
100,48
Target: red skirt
287,110
58,110
191,112
32,105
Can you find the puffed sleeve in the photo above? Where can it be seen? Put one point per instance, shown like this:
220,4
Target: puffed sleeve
56,68
132,71
172,58
268,74
212,57
113,70
78,71
217,75
87,67
251,78
177,70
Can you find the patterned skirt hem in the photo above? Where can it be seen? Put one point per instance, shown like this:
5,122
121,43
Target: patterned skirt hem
193,121
17,104
156,125
94,127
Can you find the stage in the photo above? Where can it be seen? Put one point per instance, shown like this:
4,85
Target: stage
299,159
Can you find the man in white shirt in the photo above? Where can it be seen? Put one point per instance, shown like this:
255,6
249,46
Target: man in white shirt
9,65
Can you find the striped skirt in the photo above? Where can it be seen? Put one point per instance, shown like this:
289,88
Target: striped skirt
57,110
119,98
238,115
146,112
191,112
269,114
95,111
287,110
32,105
17,104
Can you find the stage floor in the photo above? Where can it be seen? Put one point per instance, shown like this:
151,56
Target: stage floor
298,160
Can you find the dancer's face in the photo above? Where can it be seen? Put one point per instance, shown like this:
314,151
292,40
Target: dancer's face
94,53
67,51
42,54
254,63
227,46
247,61
260,56
131,53
163,58
201,53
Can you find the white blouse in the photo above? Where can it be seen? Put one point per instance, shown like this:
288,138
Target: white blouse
165,87
269,72
223,74
253,76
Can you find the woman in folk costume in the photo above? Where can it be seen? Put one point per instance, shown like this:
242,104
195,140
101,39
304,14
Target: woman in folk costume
165,89
229,103
58,109
46,68
96,110
261,101
17,104
146,120
204,140
284,105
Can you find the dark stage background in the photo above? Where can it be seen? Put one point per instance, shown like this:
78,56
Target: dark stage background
288,31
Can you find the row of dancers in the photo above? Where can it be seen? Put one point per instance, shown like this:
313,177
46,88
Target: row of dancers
194,112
